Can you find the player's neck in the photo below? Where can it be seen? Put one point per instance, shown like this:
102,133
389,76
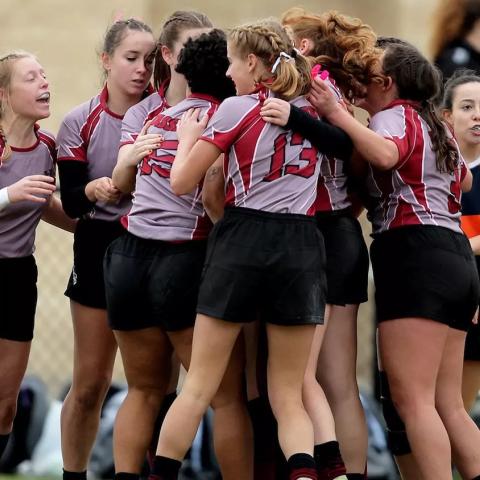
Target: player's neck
118,102
19,131
469,152
177,89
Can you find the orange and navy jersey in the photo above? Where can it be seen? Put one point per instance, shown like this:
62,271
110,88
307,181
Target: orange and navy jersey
471,203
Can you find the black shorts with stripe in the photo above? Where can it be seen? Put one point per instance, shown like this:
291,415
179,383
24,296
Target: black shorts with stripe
150,283
347,258
472,343
18,298
264,265
425,272
91,239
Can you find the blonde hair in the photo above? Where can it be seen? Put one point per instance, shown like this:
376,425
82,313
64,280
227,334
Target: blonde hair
6,69
343,45
267,39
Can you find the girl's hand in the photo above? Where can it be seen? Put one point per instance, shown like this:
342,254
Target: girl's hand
190,127
322,98
143,146
35,188
105,191
276,111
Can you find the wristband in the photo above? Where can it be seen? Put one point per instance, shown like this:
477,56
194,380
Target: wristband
4,199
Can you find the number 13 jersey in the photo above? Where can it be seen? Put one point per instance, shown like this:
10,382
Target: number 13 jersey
266,167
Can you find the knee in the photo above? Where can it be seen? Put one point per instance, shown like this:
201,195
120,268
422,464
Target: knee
231,396
340,390
450,407
285,402
90,396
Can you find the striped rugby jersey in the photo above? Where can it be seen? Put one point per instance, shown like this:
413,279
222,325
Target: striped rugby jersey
413,192
266,167
18,221
157,212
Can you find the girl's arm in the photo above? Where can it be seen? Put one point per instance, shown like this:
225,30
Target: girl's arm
377,150
328,139
193,157
130,155
213,192
54,215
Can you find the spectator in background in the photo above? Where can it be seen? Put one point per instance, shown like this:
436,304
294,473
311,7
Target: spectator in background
456,36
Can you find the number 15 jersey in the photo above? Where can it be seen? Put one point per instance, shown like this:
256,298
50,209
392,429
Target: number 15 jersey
266,167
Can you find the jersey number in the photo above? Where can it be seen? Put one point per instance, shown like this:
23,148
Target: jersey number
278,168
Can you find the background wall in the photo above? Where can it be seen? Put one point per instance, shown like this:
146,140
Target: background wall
67,36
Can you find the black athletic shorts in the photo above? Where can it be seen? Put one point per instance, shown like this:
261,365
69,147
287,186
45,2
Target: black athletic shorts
264,264
18,298
347,258
150,283
92,237
472,344
425,272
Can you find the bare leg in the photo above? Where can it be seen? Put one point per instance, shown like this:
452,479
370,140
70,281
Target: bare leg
338,376
289,349
232,425
314,398
463,433
213,342
411,351
146,358
94,354
470,382
13,363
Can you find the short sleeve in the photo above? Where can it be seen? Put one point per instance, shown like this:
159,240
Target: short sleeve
400,125
227,122
70,145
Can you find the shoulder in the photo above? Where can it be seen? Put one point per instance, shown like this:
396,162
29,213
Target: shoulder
153,101
393,121
47,140
79,115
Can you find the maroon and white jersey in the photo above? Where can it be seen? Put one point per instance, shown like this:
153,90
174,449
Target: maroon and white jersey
414,192
266,167
18,221
90,133
138,115
157,213
332,186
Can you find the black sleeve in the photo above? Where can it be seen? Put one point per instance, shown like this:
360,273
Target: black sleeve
328,139
73,177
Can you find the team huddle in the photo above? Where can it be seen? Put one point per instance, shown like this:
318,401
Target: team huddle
215,226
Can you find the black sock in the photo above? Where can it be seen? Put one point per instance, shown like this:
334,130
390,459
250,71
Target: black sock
3,443
329,460
302,465
127,476
166,404
165,468
356,476
74,475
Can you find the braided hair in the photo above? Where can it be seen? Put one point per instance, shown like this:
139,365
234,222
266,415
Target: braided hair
267,40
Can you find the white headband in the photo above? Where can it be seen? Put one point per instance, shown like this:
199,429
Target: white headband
286,56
